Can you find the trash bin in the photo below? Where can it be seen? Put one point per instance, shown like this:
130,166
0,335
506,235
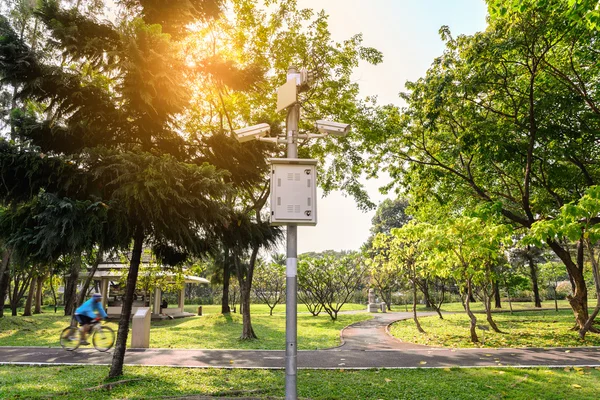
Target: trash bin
199,310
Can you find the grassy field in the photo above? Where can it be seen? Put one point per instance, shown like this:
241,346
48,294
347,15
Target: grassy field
215,331
521,329
264,309
478,306
519,306
70,382
210,331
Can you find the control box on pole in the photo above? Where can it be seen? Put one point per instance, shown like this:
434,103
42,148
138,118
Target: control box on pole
293,191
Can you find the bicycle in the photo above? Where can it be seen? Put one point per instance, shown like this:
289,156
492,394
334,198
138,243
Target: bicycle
102,337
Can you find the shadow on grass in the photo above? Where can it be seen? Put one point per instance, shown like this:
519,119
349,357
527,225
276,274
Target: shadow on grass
449,383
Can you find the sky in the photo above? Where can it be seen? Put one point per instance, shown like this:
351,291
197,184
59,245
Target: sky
406,32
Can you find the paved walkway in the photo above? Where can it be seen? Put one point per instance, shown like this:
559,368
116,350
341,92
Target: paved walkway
366,345
373,334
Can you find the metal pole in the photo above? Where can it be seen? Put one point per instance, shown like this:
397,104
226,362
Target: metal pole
291,307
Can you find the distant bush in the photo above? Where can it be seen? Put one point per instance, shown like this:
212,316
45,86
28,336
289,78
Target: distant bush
563,289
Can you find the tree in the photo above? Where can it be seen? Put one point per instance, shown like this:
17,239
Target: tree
269,284
403,248
384,276
21,276
264,39
577,223
550,273
107,128
310,300
467,248
332,281
530,256
507,117
4,277
245,235
389,214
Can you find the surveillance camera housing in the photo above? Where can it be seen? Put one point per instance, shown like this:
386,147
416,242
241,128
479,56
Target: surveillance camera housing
252,132
332,128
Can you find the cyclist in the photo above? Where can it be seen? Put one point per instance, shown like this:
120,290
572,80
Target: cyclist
87,313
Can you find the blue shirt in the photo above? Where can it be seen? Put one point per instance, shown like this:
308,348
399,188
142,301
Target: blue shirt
89,309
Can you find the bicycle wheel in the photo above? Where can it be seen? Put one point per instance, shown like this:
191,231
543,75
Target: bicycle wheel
103,338
70,338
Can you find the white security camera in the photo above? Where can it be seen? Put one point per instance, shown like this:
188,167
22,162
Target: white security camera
332,128
252,132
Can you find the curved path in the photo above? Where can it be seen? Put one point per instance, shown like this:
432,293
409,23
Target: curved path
373,334
366,345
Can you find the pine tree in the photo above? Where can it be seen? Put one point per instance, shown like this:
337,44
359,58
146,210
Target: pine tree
97,124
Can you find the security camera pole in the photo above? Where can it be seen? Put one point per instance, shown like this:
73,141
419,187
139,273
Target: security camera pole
287,98
291,306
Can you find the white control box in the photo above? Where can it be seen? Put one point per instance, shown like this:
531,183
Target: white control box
293,191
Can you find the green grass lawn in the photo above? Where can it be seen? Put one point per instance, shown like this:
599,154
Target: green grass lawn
517,306
217,331
522,329
210,331
264,309
70,382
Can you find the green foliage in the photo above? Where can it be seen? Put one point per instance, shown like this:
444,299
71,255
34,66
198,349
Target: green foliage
104,133
331,281
575,220
507,117
465,248
575,12
170,199
111,98
269,283
389,214
48,227
271,39
174,16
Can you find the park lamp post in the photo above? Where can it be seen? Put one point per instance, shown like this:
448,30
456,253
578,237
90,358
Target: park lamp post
293,197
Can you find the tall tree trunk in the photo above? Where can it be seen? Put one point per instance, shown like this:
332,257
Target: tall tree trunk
21,283
70,292
39,285
414,286
578,300
4,279
442,299
429,303
555,298
487,301
247,330
53,291
534,280
29,301
437,309
13,302
225,309
424,286
88,279
245,280
116,368
498,303
596,272
473,325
